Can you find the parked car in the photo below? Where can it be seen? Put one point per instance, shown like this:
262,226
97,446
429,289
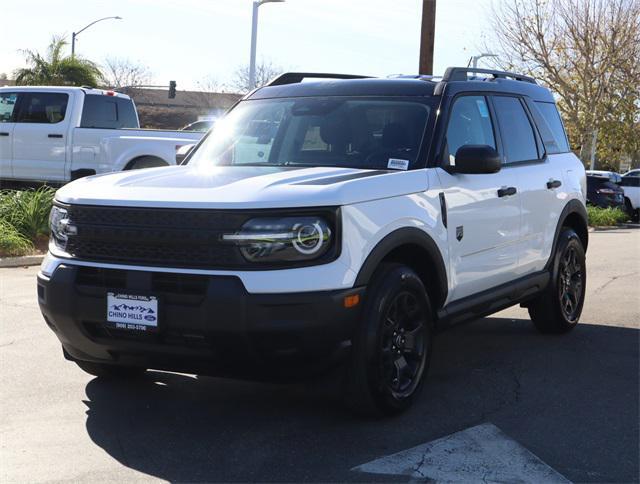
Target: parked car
381,210
603,189
58,134
199,125
631,185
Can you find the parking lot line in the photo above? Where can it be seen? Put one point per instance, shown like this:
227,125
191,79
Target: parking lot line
478,454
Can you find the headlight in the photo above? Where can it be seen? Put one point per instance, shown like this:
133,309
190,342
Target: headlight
60,227
284,239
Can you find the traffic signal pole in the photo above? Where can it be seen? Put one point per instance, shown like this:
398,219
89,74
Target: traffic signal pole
427,37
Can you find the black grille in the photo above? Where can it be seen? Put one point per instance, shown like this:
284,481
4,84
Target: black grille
155,237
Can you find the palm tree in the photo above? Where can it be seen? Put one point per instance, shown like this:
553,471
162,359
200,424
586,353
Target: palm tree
55,69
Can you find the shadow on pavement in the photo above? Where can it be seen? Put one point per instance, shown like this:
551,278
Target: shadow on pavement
572,400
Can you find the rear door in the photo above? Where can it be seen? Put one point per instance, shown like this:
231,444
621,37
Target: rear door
483,215
39,140
538,173
8,104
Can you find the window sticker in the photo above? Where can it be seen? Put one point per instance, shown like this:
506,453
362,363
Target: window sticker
482,108
398,164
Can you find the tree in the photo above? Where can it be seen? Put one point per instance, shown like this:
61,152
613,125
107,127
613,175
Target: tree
265,71
586,52
120,72
55,69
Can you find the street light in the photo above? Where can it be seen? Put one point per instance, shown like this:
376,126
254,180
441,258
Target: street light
75,34
474,59
254,36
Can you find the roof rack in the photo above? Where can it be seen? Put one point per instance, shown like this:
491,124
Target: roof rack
295,77
460,74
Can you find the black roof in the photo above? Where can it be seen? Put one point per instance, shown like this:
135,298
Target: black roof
400,86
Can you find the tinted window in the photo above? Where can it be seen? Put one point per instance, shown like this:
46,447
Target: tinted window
8,102
108,112
630,181
550,125
43,107
518,137
469,124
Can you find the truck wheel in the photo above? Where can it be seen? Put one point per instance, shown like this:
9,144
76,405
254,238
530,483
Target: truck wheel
145,162
109,371
392,344
558,308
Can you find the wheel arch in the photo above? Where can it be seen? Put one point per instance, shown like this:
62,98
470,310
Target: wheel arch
129,165
416,249
574,215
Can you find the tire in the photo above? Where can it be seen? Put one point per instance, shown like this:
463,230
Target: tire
634,214
145,162
558,308
103,370
396,320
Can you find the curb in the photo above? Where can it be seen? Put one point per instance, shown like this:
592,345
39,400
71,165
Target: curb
23,261
605,228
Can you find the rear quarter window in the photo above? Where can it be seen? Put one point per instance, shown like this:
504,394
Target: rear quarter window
108,112
550,126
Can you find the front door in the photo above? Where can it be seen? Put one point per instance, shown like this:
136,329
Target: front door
8,103
39,138
483,211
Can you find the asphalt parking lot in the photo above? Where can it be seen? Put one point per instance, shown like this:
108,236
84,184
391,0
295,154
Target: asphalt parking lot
572,400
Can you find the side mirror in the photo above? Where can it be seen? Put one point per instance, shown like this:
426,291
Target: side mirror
476,160
182,152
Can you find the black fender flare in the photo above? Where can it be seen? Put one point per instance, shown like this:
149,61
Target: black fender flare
573,207
402,237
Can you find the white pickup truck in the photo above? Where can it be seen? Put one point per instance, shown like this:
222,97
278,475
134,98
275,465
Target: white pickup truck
58,134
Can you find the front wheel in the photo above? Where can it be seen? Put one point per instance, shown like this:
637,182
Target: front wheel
558,308
392,345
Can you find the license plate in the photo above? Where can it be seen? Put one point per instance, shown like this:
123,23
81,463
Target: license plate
132,311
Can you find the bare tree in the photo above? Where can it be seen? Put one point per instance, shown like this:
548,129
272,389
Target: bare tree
586,51
3,76
265,71
120,73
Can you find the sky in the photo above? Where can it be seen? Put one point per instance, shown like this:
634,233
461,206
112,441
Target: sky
197,41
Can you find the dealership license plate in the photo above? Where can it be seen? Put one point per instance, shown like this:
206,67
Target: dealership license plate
132,311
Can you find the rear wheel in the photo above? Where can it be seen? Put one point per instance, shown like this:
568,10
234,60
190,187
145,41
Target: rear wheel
109,371
558,308
634,214
392,345
145,162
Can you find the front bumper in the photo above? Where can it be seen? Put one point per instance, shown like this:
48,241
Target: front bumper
208,324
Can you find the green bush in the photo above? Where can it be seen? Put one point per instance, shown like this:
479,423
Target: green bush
27,211
599,217
12,242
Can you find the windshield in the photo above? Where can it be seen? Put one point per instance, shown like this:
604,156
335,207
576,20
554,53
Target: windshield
377,133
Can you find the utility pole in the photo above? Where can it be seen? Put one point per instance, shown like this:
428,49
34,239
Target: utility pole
427,37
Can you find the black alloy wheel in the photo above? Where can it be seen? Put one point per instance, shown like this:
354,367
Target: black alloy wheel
391,347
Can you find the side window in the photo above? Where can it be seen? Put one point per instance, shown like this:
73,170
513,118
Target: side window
43,107
8,102
469,124
632,180
126,113
518,138
107,112
550,125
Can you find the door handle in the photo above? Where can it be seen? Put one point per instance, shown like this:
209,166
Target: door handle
55,136
4,133
506,191
553,184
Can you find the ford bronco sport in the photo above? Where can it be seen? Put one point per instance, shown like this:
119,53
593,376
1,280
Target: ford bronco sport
341,219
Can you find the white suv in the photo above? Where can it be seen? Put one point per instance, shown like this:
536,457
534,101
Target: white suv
348,217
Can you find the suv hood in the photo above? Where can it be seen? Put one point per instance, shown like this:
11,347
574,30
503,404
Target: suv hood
241,187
